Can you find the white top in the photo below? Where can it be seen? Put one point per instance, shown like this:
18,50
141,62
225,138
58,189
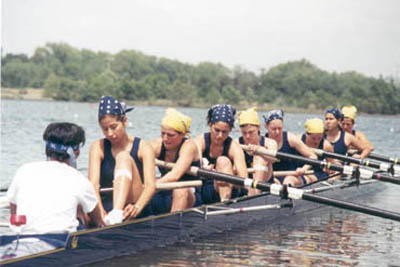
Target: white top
48,194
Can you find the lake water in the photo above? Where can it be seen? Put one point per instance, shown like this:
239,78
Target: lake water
333,238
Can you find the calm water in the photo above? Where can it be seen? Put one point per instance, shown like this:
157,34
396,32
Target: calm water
330,239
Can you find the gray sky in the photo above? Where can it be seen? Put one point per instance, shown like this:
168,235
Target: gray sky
335,35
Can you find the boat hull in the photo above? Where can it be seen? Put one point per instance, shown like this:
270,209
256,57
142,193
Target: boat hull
95,245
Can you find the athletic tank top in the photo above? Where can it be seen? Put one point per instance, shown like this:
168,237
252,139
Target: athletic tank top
249,158
108,163
206,153
285,164
339,146
163,171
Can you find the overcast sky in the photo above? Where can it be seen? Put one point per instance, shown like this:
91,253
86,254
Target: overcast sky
335,35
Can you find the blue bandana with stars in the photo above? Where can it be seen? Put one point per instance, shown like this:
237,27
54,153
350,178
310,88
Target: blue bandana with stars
224,113
336,112
110,106
276,114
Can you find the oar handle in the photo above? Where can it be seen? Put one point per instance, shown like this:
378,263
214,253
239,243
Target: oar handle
169,165
269,154
175,185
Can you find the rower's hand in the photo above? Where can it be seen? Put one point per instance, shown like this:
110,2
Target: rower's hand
251,149
356,156
131,211
299,172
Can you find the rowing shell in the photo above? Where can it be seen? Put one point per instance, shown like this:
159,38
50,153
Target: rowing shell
93,245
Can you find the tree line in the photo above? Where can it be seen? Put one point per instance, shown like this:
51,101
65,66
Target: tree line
70,74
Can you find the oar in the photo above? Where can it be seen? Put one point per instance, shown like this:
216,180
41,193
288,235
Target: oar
391,168
379,157
295,193
191,170
357,172
170,165
384,158
281,173
165,186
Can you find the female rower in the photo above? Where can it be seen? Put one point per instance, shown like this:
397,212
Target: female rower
250,128
222,153
175,146
313,138
340,139
123,162
288,143
349,115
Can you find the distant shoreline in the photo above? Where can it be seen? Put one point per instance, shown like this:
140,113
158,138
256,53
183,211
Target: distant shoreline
37,94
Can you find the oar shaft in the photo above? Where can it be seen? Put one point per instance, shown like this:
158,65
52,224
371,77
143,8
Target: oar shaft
352,207
384,158
363,162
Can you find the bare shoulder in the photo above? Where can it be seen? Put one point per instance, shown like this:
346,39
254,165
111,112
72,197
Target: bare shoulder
199,140
293,139
156,144
97,146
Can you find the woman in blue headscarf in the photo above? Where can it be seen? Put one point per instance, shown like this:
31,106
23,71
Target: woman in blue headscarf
340,139
221,153
123,162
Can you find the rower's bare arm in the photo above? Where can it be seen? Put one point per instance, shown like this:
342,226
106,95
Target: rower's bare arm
236,153
361,136
96,154
187,155
146,152
96,217
200,144
353,141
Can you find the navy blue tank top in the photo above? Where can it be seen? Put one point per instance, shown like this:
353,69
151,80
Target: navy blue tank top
339,146
163,171
206,153
249,158
285,164
108,163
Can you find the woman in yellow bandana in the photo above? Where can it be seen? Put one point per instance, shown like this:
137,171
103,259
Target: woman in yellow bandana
348,122
313,138
250,128
175,146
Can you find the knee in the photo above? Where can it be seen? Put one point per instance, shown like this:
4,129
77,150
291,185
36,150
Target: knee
180,193
223,163
290,181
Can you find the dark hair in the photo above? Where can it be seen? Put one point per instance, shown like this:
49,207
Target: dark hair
118,117
64,133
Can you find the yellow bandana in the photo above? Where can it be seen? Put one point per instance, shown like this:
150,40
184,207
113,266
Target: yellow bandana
248,116
349,112
314,126
176,120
